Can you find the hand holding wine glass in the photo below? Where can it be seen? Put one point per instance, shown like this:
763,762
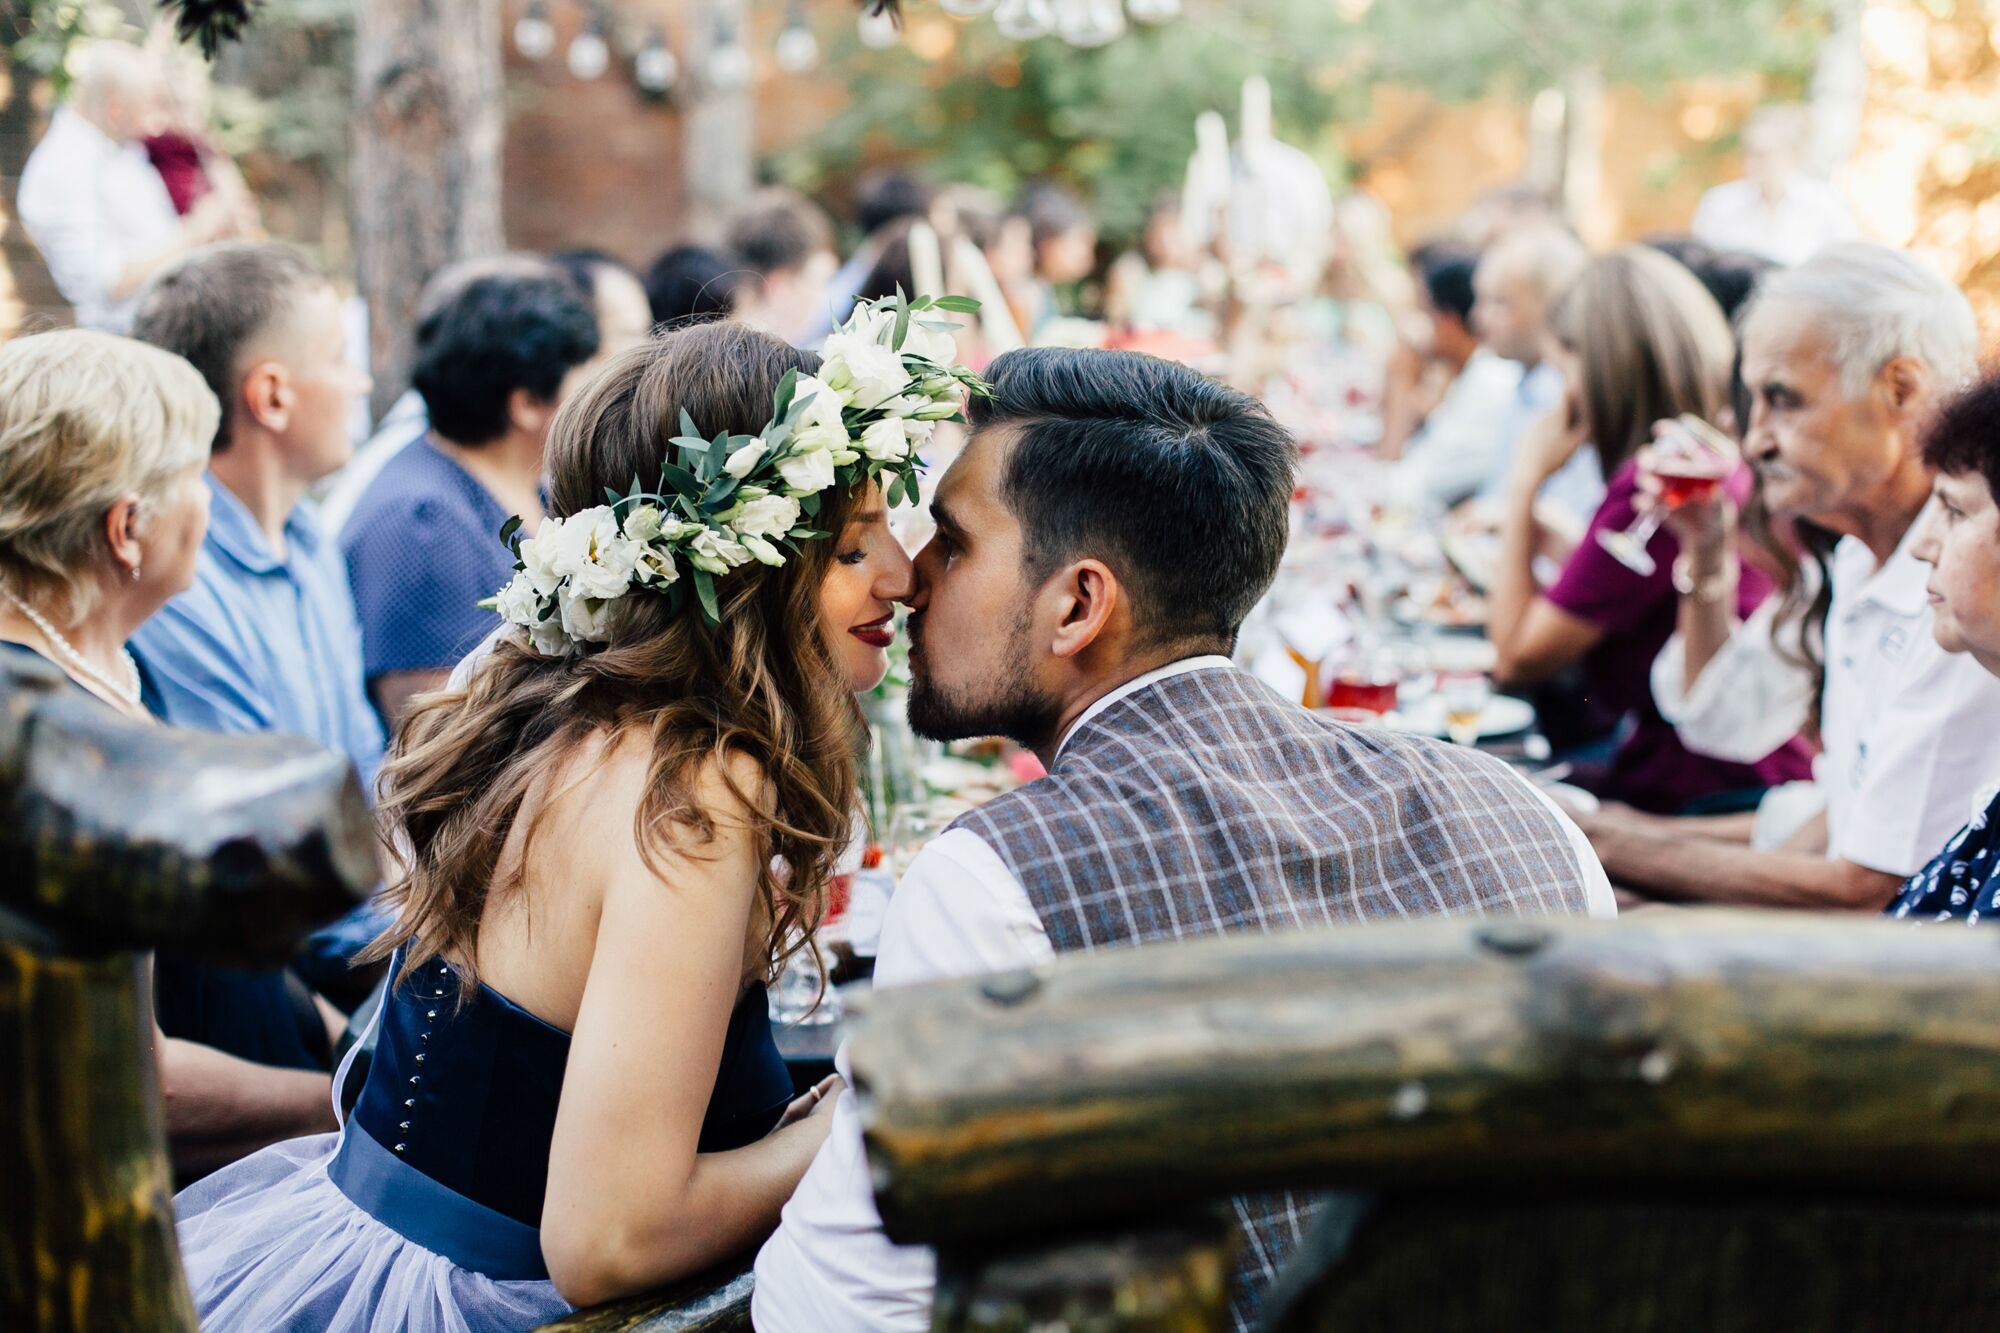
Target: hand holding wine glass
1680,486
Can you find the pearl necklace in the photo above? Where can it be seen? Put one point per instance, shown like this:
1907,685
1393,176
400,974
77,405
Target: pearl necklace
128,693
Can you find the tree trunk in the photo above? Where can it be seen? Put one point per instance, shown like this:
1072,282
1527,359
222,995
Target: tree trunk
38,305
1839,88
426,174
717,125
1737,1046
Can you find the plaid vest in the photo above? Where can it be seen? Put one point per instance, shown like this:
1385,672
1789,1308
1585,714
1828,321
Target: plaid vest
1206,804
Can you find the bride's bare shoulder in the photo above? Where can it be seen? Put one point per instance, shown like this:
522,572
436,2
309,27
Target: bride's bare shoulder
610,776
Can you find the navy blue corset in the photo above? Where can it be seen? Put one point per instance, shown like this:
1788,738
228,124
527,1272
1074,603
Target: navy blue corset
467,1093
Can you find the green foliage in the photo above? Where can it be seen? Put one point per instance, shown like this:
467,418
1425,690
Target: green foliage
40,34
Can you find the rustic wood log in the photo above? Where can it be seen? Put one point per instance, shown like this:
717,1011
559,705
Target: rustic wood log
1691,1045
717,1301
114,836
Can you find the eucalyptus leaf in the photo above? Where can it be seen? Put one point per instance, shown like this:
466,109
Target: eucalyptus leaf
704,587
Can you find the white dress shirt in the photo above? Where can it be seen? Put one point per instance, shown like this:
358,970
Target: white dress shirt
1809,217
1577,488
92,206
1464,440
958,911
1907,728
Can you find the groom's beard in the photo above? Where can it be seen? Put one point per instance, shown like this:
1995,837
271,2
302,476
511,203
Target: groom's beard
1004,703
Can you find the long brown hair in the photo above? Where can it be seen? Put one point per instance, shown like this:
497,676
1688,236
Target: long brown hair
762,683
1653,342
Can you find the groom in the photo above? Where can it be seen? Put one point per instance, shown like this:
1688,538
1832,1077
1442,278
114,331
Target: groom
1099,541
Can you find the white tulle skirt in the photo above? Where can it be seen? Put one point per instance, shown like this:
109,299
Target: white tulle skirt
271,1243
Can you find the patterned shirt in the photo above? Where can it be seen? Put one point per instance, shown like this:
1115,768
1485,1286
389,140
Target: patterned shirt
1962,882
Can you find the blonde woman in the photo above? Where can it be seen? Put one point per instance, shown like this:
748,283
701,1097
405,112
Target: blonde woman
1638,340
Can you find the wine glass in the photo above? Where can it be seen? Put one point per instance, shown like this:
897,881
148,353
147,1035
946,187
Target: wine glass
1465,694
911,827
1690,458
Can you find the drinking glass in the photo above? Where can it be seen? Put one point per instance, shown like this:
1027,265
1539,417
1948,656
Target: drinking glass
910,828
1690,458
1366,681
795,998
1464,694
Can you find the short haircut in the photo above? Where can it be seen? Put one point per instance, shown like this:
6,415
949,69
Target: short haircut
691,284
581,265
1446,271
86,418
1052,210
1550,257
883,197
1731,276
496,334
1964,436
212,305
1876,304
779,229
1179,483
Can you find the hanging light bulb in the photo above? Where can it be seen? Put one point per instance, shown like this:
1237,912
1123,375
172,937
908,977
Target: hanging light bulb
728,67
797,49
1153,11
877,29
965,9
1090,23
589,54
534,35
1024,20
655,68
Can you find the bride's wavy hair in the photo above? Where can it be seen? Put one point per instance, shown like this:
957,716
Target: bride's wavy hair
763,683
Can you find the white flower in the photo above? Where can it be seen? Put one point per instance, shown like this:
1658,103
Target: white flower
919,433
539,555
762,550
771,516
549,639
807,473
934,345
518,603
655,567
865,373
595,557
586,619
741,463
885,441
715,551
643,523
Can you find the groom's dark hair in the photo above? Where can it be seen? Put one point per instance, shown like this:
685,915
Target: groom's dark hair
1179,483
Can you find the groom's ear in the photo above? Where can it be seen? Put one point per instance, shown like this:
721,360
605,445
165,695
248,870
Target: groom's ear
1088,596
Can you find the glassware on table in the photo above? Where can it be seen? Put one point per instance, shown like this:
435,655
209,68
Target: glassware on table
910,828
1690,458
801,996
1366,681
1464,695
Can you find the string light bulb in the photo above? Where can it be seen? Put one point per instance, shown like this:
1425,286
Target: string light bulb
1090,23
589,55
727,68
1153,11
797,49
877,29
534,35
965,9
1024,20
655,69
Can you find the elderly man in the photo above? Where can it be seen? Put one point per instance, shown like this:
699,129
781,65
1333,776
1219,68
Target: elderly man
1845,358
94,205
1519,280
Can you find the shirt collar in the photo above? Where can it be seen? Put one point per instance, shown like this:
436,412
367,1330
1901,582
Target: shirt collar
1898,584
1205,662
234,532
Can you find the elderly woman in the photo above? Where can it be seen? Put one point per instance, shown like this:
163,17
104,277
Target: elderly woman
1638,340
103,441
1959,538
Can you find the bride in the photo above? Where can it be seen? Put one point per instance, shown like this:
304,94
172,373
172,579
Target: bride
610,838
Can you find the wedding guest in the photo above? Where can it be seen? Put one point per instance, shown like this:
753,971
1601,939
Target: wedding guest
493,363
103,446
91,201
624,312
1959,538
785,242
267,638
1776,210
407,421
883,199
575,1094
1063,237
1637,340
691,283
1454,447
1516,285
1114,517
1847,357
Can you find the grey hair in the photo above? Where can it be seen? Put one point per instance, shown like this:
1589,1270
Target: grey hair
1549,256
1875,304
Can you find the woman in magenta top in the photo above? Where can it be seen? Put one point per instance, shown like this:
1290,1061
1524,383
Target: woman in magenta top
1639,340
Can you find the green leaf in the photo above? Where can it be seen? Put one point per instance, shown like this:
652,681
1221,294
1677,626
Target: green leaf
958,305
507,531
689,429
809,506
704,587
684,482
720,494
902,327
787,387
612,497
718,454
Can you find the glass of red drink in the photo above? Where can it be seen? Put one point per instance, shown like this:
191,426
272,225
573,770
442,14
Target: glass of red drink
1690,460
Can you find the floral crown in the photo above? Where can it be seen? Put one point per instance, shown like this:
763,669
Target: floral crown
886,379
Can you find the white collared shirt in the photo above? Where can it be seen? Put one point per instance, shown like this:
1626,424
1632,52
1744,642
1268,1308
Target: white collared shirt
92,206
1907,728
1810,216
958,911
1464,440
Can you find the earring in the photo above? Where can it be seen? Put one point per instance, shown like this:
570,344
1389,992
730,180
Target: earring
135,573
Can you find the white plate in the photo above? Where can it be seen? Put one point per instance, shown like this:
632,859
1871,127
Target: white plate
1503,716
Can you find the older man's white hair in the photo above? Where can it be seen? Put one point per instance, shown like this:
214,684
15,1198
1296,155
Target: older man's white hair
1875,304
106,69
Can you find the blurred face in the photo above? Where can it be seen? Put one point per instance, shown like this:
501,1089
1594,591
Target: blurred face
1069,256
973,657
793,298
869,574
1012,255
170,526
319,387
1508,312
624,318
1817,452
1960,540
